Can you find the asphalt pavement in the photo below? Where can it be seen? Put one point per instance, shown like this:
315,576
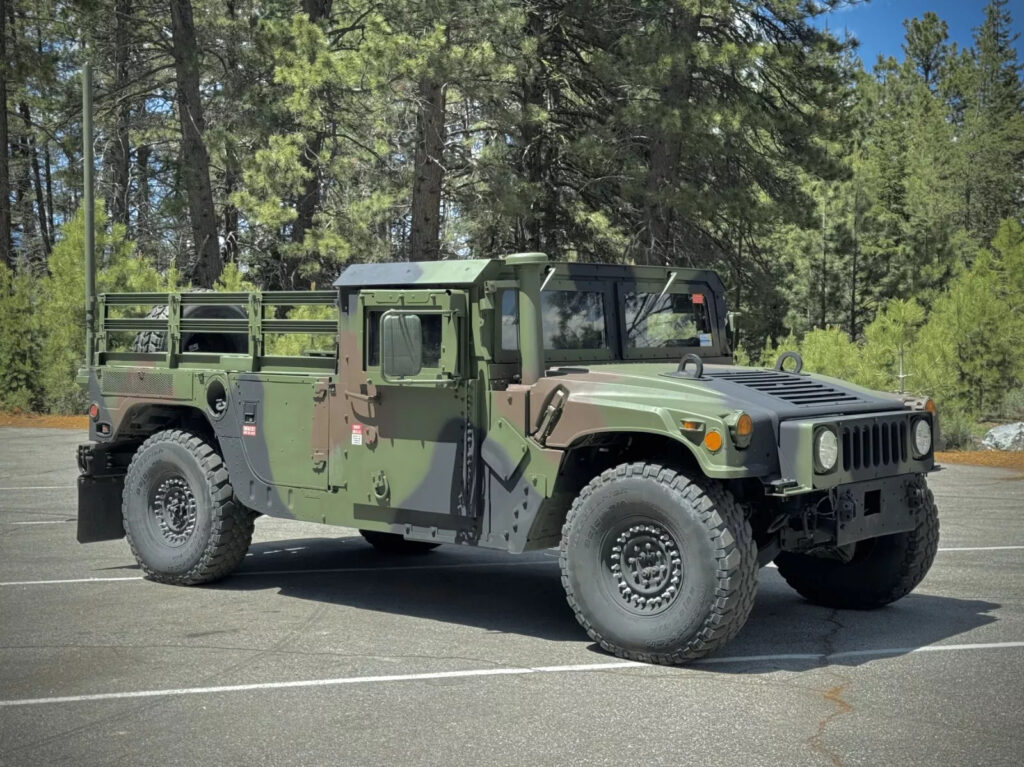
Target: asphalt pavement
321,651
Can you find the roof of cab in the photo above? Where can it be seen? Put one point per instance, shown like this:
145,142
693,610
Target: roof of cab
447,273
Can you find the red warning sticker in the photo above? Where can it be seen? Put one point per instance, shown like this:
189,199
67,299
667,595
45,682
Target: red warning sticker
249,430
357,434
698,298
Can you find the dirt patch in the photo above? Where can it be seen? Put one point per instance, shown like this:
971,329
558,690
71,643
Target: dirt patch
997,458
32,420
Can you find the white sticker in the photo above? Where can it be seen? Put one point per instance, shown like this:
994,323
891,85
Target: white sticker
357,434
705,339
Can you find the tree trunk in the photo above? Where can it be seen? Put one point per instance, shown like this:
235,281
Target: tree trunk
428,172
195,159
120,147
665,152
5,168
308,202
37,179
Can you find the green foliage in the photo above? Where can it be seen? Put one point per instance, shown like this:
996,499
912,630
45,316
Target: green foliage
834,199
956,430
62,303
19,341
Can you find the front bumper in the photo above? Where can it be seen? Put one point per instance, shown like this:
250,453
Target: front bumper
871,447
855,512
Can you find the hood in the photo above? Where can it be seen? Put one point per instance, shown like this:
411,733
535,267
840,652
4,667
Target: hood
779,395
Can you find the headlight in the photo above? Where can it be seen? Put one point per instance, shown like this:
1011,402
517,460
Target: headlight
922,438
826,450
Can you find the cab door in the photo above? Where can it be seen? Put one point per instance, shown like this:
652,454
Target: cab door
410,439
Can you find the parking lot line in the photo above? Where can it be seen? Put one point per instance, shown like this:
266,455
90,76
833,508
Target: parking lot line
44,522
42,487
488,672
329,570
336,570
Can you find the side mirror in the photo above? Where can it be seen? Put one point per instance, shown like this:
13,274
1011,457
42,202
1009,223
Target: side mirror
401,345
732,320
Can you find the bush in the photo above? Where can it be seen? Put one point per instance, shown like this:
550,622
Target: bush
1013,405
62,308
956,430
19,341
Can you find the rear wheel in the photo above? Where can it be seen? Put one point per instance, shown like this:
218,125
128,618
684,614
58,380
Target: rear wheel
658,567
391,543
880,570
180,517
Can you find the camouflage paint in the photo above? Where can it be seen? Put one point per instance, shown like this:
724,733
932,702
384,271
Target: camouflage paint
469,453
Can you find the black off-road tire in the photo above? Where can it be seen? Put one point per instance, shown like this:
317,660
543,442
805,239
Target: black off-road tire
155,341
391,543
690,530
152,341
180,517
881,571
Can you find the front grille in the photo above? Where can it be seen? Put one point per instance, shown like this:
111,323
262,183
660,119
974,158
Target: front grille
869,446
798,390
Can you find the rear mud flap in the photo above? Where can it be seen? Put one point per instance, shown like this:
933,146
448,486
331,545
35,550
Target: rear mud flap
99,508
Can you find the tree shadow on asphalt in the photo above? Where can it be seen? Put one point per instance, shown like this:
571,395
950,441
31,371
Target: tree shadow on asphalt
523,595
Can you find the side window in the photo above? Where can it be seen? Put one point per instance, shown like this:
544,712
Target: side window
571,320
430,326
509,321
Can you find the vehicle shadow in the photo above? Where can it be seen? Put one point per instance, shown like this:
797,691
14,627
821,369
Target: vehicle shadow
523,595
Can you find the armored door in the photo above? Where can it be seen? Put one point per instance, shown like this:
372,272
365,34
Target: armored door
410,439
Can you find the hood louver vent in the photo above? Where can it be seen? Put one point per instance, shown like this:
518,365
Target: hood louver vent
796,389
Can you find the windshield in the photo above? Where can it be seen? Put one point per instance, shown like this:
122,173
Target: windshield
655,320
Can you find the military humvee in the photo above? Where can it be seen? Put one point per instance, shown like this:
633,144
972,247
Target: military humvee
514,404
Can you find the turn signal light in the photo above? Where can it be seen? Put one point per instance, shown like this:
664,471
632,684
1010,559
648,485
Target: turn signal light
929,405
94,411
744,426
713,441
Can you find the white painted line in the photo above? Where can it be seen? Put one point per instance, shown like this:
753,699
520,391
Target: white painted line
69,580
261,573
46,522
982,548
878,653
326,682
486,672
42,487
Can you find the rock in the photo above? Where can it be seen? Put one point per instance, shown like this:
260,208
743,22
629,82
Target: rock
1008,436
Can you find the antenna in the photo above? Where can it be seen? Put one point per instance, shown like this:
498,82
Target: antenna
87,200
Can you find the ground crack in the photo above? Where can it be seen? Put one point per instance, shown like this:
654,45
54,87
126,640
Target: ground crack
833,695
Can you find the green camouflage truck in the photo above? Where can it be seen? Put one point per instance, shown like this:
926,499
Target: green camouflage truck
514,404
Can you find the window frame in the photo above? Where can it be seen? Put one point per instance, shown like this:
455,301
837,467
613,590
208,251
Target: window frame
450,305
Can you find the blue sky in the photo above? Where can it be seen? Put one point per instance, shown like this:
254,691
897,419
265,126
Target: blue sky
878,25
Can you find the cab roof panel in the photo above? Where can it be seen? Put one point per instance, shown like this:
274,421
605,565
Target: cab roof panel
446,273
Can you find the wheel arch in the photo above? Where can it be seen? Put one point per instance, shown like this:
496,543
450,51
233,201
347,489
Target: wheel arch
590,454
142,420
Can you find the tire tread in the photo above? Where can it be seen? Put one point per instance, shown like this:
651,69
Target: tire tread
232,525
736,557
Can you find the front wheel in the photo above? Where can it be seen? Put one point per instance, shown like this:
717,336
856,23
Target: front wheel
180,516
880,570
658,567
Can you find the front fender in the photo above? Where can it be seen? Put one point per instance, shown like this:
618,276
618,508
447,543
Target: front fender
585,415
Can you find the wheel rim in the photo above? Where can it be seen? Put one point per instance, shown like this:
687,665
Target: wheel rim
643,565
173,507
